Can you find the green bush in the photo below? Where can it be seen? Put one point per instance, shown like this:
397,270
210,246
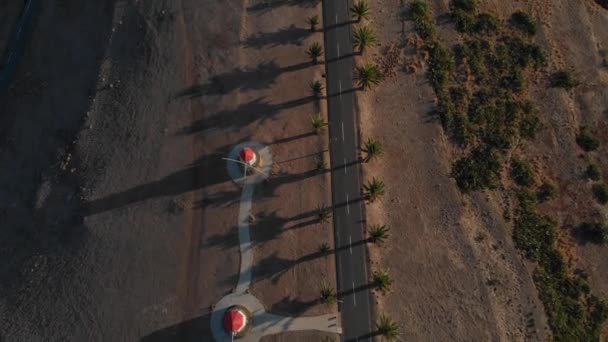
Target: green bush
480,170
600,192
522,172
514,80
535,234
523,22
593,172
421,15
486,23
586,140
529,126
514,51
563,79
445,110
465,22
465,5
441,63
475,52
460,96
594,232
546,191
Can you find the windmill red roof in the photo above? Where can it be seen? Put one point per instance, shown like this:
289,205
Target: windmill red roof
247,154
234,320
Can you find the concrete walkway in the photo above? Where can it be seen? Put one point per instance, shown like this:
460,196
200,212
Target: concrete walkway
262,322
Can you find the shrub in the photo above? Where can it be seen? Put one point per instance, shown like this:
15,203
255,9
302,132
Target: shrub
464,21
515,51
523,22
563,79
546,191
441,62
534,234
522,172
486,23
586,140
514,80
480,170
445,110
600,192
468,6
529,126
594,232
421,15
593,172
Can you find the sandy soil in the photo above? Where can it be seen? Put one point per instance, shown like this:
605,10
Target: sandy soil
10,11
289,268
94,116
118,210
457,272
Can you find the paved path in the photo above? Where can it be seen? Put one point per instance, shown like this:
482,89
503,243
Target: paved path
16,44
346,195
263,323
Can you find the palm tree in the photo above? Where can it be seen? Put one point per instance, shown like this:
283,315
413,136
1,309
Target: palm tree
374,189
324,213
360,10
315,50
387,328
318,123
373,148
364,37
324,248
378,233
368,75
328,294
320,163
316,87
313,21
382,280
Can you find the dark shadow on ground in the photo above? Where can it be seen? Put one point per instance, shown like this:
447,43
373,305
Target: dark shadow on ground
289,306
340,24
359,288
262,6
196,329
288,139
260,77
365,337
351,90
245,114
284,36
206,171
348,55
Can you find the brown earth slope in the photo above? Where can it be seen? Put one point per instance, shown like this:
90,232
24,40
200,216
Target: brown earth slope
457,273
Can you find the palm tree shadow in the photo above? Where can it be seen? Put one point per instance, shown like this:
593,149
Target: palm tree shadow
206,171
285,36
263,6
195,329
240,78
245,114
260,77
289,306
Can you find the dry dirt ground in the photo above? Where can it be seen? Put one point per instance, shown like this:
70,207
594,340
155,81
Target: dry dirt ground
117,213
457,274
9,14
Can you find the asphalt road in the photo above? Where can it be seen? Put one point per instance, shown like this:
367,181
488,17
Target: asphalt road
351,261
